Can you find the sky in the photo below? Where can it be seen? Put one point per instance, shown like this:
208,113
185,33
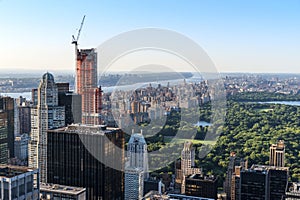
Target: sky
239,36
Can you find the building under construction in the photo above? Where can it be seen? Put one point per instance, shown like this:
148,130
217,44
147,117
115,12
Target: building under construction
87,83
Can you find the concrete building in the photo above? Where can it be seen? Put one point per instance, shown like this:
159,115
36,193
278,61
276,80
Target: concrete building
86,70
44,116
87,86
134,183
75,153
136,167
92,106
21,147
61,192
137,154
235,165
186,166
19,183
293,192
277,154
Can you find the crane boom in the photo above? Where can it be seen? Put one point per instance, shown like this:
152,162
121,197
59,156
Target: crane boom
77,53
75,40
80,28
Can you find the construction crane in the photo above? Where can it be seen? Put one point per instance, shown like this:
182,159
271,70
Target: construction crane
77,54
75,40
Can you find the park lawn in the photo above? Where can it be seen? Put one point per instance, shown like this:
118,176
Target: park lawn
177,140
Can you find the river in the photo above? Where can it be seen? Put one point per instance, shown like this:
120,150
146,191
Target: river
290,103
27,95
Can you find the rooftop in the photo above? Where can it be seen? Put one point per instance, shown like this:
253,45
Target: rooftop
48,77
47,187
86,129
267,167
202,177
9,171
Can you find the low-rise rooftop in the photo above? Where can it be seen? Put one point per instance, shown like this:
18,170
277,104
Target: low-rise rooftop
55,188
9,171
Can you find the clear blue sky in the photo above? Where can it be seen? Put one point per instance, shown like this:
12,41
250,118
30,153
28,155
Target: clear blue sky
245,36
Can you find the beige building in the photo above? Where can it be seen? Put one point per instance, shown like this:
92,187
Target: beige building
45,115
187,165
277,154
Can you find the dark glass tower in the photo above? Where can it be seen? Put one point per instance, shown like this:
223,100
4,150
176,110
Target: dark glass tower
263,182
7,105
3,138
70,161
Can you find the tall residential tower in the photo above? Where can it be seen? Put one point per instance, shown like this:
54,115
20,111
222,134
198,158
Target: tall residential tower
45,115
277,154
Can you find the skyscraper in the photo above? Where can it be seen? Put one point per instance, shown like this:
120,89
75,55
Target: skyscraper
24,118
92,105
235,165
263,182
86,70
72,159
7,105
3,137
136,167
134,183
137,153
87,86
277,154
187,165
21,147
44,116
71,102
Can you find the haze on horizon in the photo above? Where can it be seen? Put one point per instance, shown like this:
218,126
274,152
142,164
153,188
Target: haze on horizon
248,36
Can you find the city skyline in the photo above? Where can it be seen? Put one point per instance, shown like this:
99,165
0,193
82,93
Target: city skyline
150,100
239,37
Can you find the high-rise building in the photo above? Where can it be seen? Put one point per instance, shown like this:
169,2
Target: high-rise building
134,183
152,184
87,86
235,165
7,105
92,106
201,186
44,116
3,138
137,153
72,159
71,102
21,147
277,154
19,183
187,165
263,182
86,70
24,119
136,167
